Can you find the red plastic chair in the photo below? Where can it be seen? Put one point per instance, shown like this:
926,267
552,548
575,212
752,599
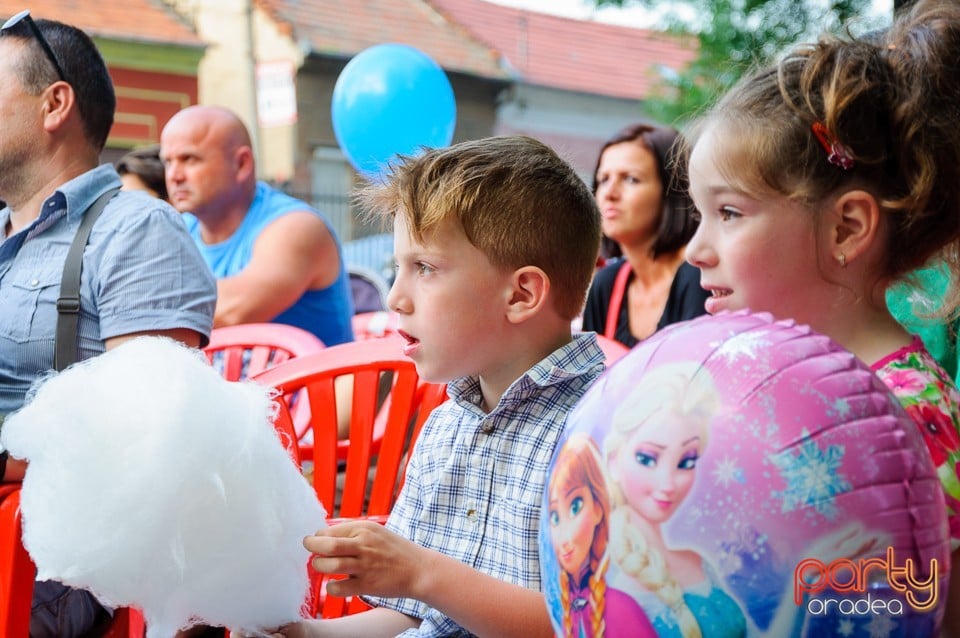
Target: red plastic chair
246,350
17,571
382,432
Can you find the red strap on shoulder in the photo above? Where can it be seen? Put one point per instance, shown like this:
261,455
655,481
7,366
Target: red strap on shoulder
616,299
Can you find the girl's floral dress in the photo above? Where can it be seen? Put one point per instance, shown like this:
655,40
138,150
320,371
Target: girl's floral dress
930,397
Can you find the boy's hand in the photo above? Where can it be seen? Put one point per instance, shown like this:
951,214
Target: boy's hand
375,560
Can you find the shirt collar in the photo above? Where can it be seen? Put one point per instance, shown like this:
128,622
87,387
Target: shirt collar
81,191
580,356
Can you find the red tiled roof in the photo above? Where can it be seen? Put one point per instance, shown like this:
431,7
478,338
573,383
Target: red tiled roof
576,55
346,27
137,20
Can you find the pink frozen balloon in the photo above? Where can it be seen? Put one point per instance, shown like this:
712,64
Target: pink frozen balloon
754,477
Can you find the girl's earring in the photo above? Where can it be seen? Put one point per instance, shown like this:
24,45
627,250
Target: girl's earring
842,259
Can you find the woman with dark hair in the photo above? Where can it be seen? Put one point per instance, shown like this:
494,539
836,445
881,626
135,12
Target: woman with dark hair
141,169
647,220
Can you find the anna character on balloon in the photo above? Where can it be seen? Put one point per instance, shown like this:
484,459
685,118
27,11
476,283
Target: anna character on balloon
579,507
655,440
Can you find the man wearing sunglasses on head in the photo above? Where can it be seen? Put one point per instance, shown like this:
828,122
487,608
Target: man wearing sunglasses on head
140,272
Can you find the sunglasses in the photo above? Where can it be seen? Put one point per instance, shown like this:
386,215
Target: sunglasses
24,17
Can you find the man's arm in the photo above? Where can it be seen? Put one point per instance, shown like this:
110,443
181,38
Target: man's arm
293,254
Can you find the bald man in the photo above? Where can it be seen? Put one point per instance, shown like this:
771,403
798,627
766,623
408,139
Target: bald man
275,258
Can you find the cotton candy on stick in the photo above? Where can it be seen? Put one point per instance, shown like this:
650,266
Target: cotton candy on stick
155,483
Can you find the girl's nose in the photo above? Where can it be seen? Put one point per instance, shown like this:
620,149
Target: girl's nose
698,252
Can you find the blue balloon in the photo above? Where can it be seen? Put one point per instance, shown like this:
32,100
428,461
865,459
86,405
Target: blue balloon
391,99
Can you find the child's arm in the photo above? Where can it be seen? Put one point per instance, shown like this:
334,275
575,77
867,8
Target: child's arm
381,563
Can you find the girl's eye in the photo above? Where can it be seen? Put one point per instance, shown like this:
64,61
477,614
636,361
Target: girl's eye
576,506
424,269
688,462
728,212
554,518
645,459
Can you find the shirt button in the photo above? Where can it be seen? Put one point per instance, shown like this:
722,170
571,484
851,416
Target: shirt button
35,282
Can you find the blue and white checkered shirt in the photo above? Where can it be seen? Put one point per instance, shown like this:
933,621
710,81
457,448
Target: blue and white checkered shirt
475,481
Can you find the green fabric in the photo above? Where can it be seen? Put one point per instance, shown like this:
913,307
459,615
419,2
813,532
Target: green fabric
913,301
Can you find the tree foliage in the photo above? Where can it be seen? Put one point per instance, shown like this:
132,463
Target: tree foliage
733,35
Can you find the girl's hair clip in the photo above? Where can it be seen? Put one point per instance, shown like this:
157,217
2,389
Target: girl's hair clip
837,154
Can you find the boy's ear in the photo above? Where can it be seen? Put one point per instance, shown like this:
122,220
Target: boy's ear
530,287
855,222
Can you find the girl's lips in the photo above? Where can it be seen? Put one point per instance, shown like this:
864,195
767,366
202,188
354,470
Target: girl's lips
715,303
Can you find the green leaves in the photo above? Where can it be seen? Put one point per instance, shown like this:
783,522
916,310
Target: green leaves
732,36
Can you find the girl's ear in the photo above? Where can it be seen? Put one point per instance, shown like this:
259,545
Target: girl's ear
530,288
855,223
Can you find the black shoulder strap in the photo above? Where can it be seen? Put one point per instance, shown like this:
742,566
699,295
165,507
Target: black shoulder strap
68,305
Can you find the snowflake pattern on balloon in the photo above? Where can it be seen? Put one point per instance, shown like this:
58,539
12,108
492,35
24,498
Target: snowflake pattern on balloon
812,476
743,345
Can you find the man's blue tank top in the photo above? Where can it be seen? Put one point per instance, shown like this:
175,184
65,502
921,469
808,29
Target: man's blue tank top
326,313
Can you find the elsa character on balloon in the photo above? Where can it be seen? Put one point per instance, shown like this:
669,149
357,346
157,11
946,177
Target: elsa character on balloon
655,439
579,507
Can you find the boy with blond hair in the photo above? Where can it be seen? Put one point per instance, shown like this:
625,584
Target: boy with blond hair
496,242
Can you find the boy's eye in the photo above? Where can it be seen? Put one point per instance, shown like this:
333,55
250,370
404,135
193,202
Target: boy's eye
424,269
728,212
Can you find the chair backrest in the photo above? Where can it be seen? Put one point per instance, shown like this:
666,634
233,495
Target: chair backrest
382,428
244,350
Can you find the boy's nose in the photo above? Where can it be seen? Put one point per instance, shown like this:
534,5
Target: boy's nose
396,300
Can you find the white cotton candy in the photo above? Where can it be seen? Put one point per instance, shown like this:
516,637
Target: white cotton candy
153,482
